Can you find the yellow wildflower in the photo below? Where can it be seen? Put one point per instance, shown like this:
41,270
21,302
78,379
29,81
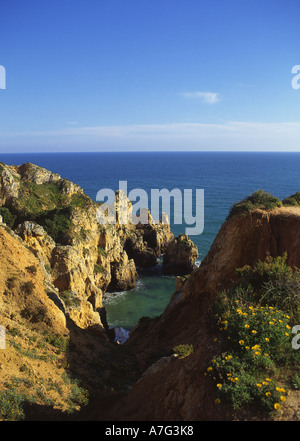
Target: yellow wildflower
280,389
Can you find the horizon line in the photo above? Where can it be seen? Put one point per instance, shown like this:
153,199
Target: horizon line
151,151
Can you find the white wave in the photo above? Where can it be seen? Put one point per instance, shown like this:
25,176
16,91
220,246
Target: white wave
113,297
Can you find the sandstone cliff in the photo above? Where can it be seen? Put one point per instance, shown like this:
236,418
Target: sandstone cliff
82,258
56,262
50,368
178,389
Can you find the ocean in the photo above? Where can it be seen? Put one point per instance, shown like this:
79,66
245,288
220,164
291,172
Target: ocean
225,177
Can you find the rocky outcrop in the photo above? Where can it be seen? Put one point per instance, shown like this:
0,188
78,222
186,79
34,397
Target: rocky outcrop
9,184
36,174
123,274
23,286
38,240
180,256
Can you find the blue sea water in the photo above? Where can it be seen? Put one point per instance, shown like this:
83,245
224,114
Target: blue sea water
226,177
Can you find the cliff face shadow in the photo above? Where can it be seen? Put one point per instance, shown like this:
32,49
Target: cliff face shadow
98,371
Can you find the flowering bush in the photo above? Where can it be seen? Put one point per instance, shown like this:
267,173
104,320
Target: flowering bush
254,344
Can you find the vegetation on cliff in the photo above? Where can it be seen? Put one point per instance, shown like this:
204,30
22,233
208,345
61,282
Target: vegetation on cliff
259,199
264,201
256,362
293,200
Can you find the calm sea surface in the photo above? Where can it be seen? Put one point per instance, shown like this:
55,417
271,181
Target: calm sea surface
225,177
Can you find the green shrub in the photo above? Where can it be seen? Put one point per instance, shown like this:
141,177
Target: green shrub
35,312
183,350
293,200
11,404
34,199
296,382
99,269
15,332
255,323
7,216
70,299
28,287
102,251
58,341
31,269
273,283
56,223
80,200
78,396
259,199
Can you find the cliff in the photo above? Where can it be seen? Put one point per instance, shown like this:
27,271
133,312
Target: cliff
179,389
82,258
57,261
50,367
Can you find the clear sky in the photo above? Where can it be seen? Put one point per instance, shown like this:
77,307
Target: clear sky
93,75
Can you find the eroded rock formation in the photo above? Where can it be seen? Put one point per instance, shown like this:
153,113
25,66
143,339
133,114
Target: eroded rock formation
59,223
180,256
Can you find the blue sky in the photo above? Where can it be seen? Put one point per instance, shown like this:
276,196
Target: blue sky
109,75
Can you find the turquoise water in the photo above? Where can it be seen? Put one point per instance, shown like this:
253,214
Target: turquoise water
226,178
149,298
